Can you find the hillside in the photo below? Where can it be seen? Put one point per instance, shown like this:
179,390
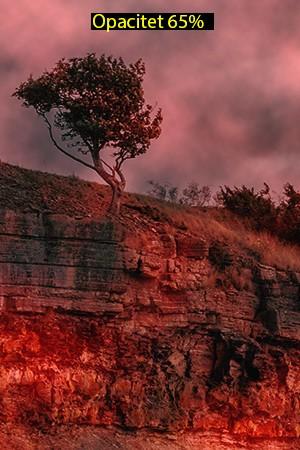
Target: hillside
31,191
166,327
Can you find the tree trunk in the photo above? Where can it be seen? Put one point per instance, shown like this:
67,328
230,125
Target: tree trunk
116,185
115,203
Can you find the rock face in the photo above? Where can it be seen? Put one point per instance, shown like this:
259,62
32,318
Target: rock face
146,328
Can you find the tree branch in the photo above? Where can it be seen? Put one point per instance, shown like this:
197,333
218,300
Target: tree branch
122,178
110,179
107,165
61,149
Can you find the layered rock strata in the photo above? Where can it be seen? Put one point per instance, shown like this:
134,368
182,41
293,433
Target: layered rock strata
148,328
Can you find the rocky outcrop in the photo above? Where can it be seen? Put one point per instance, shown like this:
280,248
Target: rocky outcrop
147,328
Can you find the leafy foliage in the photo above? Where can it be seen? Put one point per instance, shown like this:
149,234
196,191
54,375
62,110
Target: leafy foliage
261,212
257,207
289,215
97,102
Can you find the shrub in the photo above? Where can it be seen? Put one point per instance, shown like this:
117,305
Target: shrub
289,215
257,207
192,195
195,195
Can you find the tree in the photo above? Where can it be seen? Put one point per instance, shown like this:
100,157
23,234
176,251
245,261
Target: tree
163,191
194,195
97,103
158,190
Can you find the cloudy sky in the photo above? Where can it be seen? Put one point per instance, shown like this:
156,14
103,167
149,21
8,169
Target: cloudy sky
230,97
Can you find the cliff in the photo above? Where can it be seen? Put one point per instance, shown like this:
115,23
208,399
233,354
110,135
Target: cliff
164,328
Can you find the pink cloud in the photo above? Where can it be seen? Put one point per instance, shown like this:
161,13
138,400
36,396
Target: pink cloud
230,97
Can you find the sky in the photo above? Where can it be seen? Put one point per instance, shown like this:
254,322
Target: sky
230,98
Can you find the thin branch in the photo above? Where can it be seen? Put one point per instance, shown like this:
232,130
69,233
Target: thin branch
122,178
110,179
107,165
61,149
119,161
83,140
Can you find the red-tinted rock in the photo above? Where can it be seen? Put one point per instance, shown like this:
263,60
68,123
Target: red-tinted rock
101,326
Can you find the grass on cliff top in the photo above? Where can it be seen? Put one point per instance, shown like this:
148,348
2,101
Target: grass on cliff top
31,190
217,224
34,191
